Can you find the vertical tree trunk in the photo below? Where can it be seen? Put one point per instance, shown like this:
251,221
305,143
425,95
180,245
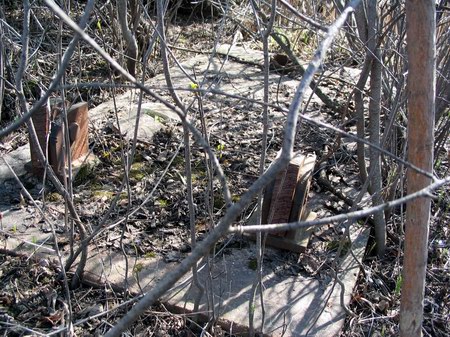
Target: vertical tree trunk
376,183
363,23
132,47
368,26
421,25
374,128
2,72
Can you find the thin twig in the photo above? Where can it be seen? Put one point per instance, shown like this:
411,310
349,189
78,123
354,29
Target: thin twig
258,281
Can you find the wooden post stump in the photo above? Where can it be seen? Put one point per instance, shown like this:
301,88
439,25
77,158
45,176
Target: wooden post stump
77,119
49,127
285,201
41,121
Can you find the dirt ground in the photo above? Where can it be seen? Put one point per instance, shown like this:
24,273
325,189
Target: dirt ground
32,292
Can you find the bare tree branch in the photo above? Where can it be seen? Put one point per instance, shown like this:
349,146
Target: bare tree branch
303,17
132,47
141,86
425,192
306,118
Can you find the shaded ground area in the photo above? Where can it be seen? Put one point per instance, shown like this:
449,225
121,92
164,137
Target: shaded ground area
31,296
376,297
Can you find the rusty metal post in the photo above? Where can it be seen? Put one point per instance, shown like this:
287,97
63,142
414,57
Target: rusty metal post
56,156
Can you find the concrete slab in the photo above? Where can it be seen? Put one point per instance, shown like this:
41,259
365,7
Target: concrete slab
295,304
20,232
17,160
153,117
159,112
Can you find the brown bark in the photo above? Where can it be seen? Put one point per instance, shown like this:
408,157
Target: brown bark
376,79
132,47
376,183
420,16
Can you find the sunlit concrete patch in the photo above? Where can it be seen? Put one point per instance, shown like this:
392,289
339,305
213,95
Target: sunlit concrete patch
17,160
159,112
294,305
21,232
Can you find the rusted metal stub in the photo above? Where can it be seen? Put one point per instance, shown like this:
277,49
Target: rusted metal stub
283,193
55,148
299,210
41,122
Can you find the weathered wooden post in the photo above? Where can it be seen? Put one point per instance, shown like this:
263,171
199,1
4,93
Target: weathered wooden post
41,121
285,201
49,127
